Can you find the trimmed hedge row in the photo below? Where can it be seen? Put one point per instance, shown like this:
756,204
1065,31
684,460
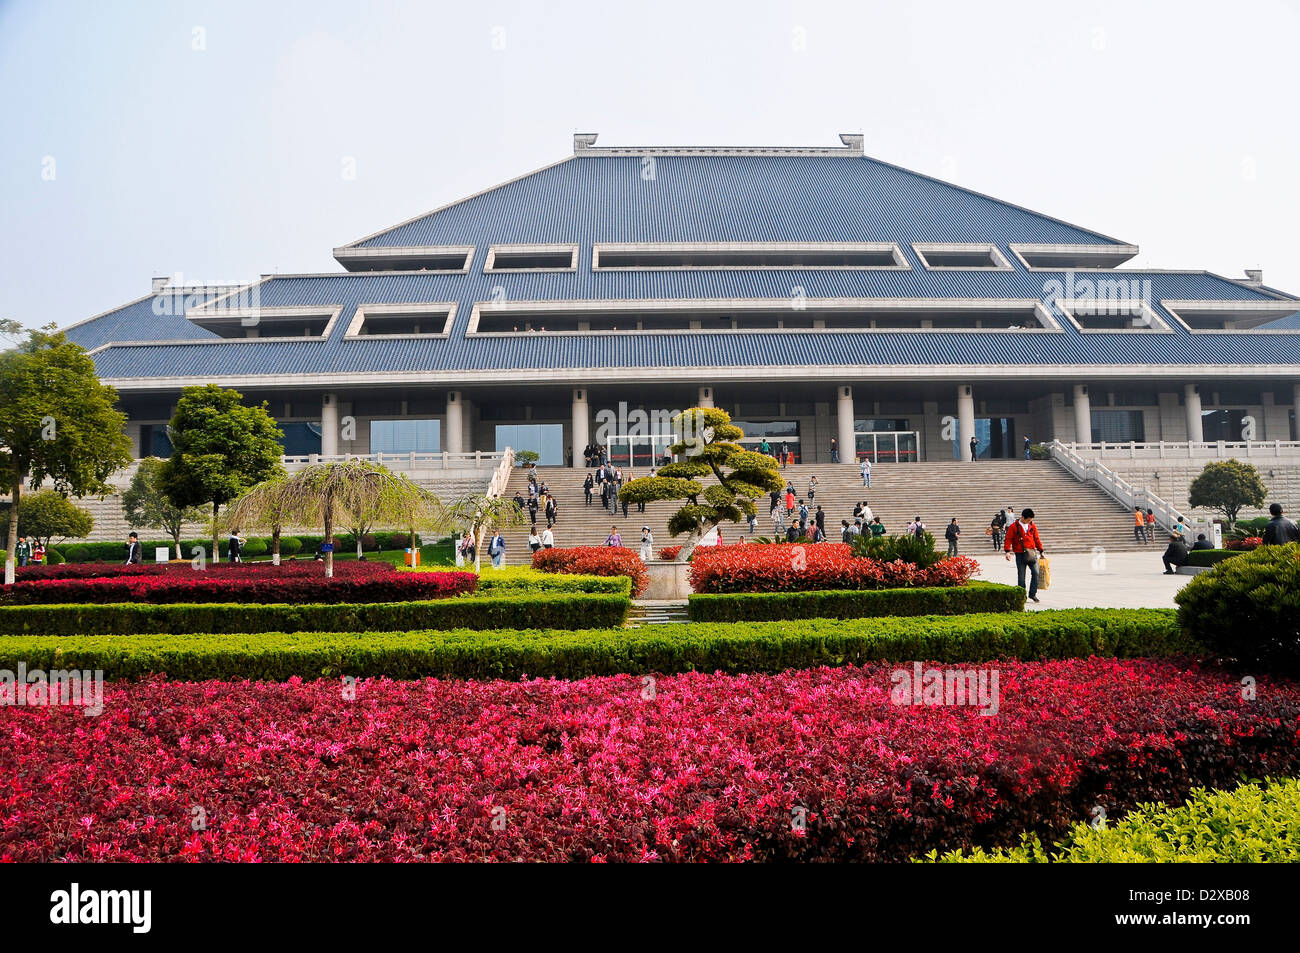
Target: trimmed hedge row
665,649
1252,824
508,611
1210,557
524,579
856,603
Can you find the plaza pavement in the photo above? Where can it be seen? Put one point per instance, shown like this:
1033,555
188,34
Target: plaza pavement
1084,581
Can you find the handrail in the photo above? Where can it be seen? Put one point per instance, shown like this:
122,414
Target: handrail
497,486
1176,449
1115,486
431,460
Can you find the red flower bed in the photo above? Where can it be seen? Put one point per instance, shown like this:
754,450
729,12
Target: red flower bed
804,568
670,552
308,567
595,561
243,585
1247,544
808,765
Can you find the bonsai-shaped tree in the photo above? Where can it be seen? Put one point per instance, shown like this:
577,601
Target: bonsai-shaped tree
46,514
145,504
707,439
1227,486
328,494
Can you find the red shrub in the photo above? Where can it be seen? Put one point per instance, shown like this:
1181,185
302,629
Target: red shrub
712,767
305,568
239,584
670,552
808,567
595,561
1249,543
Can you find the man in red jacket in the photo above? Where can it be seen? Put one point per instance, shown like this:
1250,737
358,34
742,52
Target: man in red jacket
1023,540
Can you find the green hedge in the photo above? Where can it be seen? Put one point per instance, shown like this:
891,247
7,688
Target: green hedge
856,604
509,611
665,649
1210,557
1250,825
526,579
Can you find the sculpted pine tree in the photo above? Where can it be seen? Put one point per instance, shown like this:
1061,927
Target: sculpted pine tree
707,445
1227,486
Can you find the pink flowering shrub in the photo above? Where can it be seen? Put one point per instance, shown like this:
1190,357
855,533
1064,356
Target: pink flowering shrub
297,568
816,764
245,585
823,566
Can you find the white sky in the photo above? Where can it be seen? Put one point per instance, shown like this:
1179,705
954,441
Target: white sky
1168,124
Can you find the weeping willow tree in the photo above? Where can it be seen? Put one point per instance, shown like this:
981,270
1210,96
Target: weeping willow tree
331,494
478,512
706,446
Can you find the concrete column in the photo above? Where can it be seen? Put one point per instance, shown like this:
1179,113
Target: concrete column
965,420
706,396
844,434
581,426
329,424
1082,414
1192,404
454,431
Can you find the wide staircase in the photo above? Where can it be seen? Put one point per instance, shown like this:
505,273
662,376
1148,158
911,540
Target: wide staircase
1072,517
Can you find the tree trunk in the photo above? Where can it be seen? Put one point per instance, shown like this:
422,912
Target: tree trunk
329,538
688,547
12,543
176,538
216,552
275,545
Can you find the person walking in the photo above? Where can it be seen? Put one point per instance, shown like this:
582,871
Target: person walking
916,528
548,539
785,454
587,486
235,552
789,501
1139,525
23,551
974,449
647,543
1175,554
812,489
998,525
952,534
803,514
613,539
1023,540
532,511
866,473
1151,526
38,553
877,527
753,522
1279,530
134,552
1027,454
550,511
846,532
497,550
778,521
534,541
835,450
820,519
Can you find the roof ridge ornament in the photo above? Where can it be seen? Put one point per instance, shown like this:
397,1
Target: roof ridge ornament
584,143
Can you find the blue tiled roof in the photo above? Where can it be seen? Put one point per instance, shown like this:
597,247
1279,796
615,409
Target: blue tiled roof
541,351
729,198
692,198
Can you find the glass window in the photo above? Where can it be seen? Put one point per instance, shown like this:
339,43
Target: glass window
154,441
405,436
300,439
1223,424
880,425
546,440
1118,426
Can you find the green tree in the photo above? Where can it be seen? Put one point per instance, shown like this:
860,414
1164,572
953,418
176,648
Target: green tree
331,494
268,504
57,422
1227,486
220,449
145,504
707,439
46,514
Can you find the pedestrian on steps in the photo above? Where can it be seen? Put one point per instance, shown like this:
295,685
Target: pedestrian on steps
952,534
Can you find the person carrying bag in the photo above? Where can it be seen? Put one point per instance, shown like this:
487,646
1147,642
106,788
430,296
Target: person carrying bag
1023,540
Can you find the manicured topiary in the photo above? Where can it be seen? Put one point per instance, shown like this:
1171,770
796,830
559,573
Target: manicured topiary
290,545
1247,608
255,547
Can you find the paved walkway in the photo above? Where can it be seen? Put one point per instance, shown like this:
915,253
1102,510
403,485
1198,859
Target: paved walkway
1108,580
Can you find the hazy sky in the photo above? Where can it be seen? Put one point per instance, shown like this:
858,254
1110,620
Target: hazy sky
214,138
